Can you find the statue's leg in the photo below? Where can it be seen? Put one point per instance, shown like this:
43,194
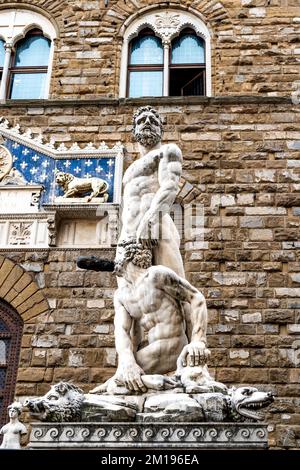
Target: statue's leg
70,193
94,193
167,252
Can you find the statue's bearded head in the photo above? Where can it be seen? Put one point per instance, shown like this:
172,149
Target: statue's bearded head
147,126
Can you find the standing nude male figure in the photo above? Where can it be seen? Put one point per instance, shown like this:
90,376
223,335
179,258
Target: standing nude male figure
13,430
150,187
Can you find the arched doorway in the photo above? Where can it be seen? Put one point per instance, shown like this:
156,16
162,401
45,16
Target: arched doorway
11,326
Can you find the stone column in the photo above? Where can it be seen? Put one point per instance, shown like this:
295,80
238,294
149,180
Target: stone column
3,88
166,69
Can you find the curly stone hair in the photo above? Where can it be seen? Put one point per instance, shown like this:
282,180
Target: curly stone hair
17,406
138,255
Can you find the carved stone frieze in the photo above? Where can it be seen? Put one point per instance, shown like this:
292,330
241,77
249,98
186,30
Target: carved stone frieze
20,233
24,230
148,435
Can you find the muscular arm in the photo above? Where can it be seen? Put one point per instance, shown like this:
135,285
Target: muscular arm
182,290
123,323
128,372
169,172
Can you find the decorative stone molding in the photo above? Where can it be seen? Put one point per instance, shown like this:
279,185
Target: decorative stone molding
39,143
148,435
63,158
24,231
166,24
19,289
52,230
20,233
212,12
35,199
84,233
19,199
19,21
90,226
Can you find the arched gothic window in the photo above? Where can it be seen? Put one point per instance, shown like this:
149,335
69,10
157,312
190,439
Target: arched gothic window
145,65
26,53
166,53
11,326
2,55
29,68
187,65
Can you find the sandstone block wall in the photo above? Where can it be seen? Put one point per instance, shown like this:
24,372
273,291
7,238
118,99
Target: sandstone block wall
255,44
243,156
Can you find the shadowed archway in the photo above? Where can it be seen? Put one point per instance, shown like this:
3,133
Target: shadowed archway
11,327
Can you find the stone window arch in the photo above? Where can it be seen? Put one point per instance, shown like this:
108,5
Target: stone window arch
11,327
18,26
174,29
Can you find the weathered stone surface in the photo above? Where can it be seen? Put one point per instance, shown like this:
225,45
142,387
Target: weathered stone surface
179,406
252,317
251,138
114,409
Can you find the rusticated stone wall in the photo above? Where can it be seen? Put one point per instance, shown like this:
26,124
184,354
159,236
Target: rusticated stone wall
243,156
255,44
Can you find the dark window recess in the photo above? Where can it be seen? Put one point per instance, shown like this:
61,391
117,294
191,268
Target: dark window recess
11,327
187,65
187,82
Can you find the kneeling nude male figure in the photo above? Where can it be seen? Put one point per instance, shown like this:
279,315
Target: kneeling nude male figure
153,296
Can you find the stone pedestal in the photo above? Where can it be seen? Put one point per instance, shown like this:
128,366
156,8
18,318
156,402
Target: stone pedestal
148,435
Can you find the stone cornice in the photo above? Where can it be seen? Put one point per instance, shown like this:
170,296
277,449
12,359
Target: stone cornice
22,249
158,101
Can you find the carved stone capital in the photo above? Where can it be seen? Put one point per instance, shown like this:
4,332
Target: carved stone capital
166,24
52,231
8,46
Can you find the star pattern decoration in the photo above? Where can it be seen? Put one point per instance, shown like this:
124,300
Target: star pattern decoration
38,168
